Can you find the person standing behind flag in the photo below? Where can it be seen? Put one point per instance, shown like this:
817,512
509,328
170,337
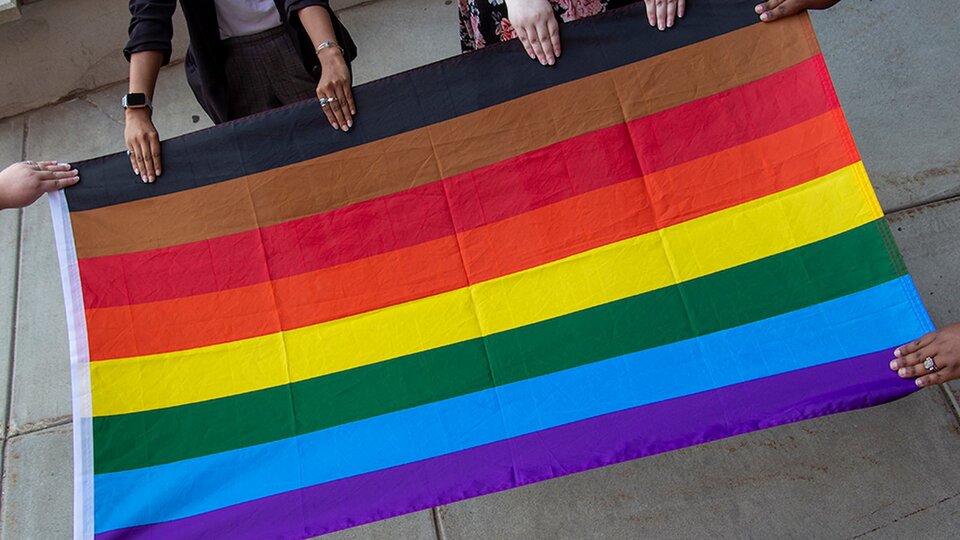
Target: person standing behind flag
245,57
534,22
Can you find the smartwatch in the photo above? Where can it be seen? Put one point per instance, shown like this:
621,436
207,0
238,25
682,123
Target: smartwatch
136,101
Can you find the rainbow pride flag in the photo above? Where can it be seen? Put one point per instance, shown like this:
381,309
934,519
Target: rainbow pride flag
503,274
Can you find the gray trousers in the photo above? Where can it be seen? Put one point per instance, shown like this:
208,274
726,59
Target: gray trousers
263,72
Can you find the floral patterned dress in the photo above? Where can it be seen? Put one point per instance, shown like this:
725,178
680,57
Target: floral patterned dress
483,22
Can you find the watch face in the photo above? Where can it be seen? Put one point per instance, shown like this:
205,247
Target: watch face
136,100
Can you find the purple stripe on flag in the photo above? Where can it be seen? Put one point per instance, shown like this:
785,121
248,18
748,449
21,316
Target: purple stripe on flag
612,438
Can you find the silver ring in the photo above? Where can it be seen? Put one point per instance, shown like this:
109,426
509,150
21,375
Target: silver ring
930,364
324,101
128,152
34,164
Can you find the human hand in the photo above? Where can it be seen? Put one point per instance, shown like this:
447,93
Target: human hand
537,28
777,9
663,13
335,90
941,347
23,183
143,144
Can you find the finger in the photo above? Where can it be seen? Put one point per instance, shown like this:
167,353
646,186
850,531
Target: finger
525,41
767,6
915,358
148,172
916,369
554,29
141,166
53,166
671,13
937,377
914,346
651,12
337,110
348,90
326,107
681,8
661,14
59,183
155,155
57,175
536,46
344,106
134,164
332,118
785,9
546,44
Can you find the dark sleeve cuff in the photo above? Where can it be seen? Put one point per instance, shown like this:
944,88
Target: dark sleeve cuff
151,27
293,6
165,48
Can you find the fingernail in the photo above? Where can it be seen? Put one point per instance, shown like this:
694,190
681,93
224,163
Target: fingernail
902,372
670,24
74,172
759,8
336,126
763,17
144,178
152,178
918,382
136,172
896,352
350,124
660,27
353,112
893,365
63,164
75,178
344,128
158,172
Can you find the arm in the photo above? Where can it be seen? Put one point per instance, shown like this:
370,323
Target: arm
140,135
23,183
335,77
149,48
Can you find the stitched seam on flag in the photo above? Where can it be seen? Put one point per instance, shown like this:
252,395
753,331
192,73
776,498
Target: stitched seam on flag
470,288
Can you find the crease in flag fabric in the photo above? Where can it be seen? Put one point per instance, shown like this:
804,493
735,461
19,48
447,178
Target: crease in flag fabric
501,275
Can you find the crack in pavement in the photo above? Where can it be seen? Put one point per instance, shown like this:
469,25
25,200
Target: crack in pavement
905,516
87,100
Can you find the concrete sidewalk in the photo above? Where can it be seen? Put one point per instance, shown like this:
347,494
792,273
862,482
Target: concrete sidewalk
886,472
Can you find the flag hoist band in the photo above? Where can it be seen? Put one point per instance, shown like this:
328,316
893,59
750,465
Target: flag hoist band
502,276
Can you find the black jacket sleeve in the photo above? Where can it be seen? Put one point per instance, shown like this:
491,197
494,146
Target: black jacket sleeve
151,27
343,37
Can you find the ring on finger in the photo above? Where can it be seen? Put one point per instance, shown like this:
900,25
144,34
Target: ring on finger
930,365
324,101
